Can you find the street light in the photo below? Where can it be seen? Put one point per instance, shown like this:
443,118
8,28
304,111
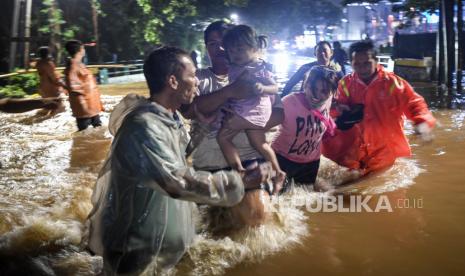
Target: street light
234,17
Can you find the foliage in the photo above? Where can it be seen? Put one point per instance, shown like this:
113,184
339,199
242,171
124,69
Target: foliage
129,29
54,21
285,19
12,91
54,17
143,24
98,7
158,13
27,82
20,85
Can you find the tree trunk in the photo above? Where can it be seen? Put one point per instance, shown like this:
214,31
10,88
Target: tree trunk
95,25
27,33
14,35
55,33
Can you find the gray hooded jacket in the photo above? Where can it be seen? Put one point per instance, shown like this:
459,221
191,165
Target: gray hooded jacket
144,196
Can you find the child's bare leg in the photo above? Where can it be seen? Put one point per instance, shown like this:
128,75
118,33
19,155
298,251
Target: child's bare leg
258,140
235,124
224,138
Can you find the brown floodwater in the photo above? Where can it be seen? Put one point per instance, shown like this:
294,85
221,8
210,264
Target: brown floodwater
48,171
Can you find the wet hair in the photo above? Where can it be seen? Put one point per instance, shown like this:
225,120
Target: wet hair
162,63
43,52
243,34
362,46
73,47
326,74
217,26
321,44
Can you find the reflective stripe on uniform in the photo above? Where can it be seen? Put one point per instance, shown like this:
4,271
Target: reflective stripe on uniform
344,87
396,83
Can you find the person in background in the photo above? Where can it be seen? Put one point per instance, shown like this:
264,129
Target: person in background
215,90
340,56
50,83
372,104
84,96
323,54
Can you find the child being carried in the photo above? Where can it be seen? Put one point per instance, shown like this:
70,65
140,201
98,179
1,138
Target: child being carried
243,47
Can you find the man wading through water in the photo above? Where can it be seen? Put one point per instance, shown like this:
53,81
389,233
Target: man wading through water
215,91
146,193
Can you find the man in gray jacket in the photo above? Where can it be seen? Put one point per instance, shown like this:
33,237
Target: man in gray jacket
146,193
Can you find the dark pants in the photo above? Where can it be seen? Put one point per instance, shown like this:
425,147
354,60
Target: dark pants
83,123
301,172
130,262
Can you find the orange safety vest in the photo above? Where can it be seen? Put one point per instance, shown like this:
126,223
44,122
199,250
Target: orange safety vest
378,139
87,103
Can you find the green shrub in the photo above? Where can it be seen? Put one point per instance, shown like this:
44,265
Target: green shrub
12,91
29,83
20,86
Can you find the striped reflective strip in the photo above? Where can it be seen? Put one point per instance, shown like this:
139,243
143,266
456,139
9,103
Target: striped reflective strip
395,84
344,87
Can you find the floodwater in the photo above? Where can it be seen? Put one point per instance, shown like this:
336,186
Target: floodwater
48,171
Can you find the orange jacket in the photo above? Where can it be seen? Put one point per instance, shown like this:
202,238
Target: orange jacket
378,139
84,97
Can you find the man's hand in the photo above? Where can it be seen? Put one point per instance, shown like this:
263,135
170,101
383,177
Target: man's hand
254,176
259,88
425,131
278,182
350,117
199,116
243,87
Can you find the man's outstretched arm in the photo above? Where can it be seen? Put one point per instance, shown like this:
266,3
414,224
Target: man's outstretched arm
206,104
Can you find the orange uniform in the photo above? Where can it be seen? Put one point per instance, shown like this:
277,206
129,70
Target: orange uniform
85,101
378,139
50,85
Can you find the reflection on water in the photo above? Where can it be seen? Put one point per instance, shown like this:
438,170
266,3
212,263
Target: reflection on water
48,172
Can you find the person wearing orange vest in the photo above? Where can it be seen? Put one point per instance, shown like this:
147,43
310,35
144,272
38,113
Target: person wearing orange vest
375,102
84,97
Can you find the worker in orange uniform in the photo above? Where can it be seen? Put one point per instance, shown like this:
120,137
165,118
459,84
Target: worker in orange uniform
50,83
371,105
84,97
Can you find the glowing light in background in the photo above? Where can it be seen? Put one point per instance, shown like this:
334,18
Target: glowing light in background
431,18
281,61
234,17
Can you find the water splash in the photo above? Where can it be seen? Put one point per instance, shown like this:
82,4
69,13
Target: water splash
48,173
212,254
401,175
